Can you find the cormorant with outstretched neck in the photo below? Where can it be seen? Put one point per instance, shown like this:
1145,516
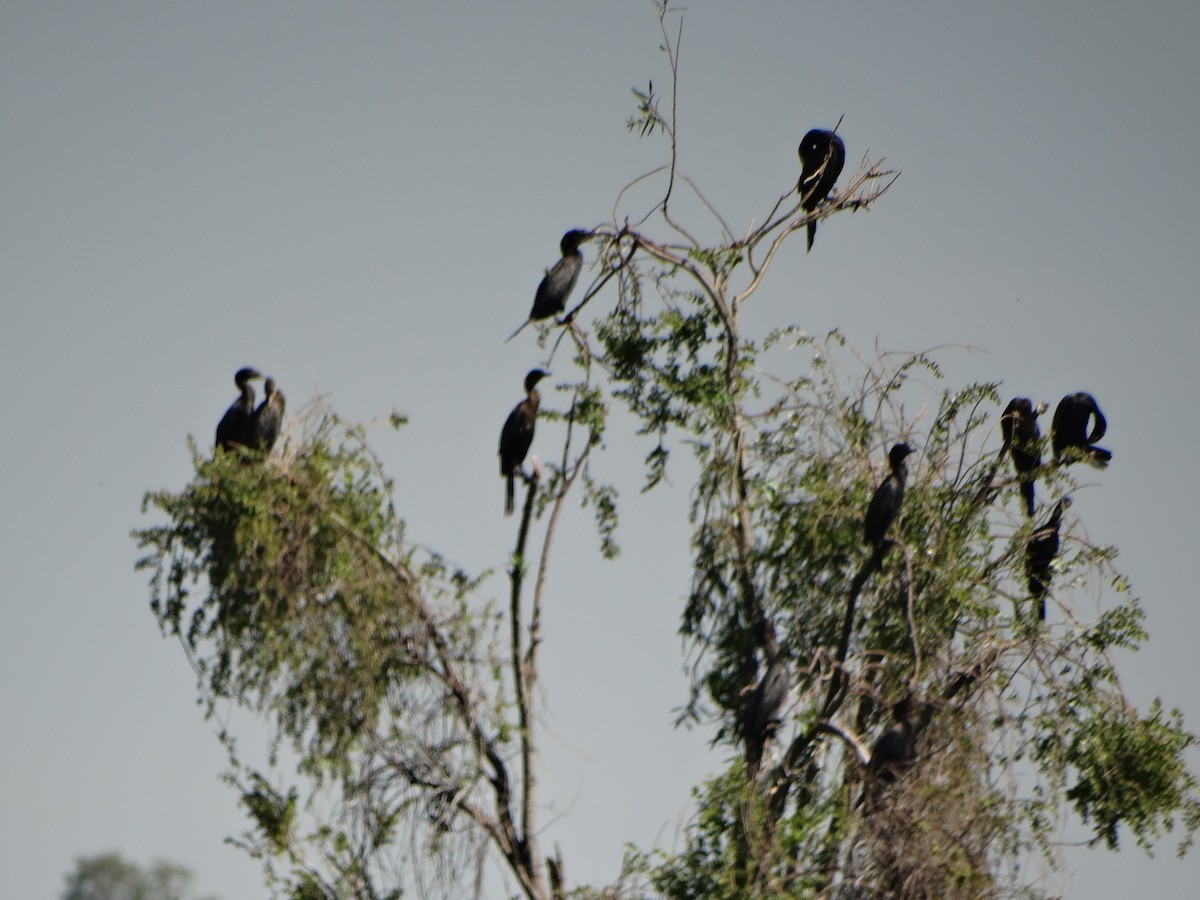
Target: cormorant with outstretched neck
885,504
517,434
822,155
1022,439
236,428
268,417
1040,553
1070,430
765,703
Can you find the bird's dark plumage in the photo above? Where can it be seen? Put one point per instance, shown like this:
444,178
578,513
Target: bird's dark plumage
268,417
236,428
885,504
896,748
517,434
762,712
559,281
895,751
822,155
761,715
1022,439
1040,553
1070,430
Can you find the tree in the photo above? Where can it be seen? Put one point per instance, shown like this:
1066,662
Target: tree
110,876
934,735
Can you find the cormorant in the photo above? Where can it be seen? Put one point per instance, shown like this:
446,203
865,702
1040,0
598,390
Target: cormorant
268,417
885,505
1069,429
766,701
822,155
517,434
1040,553
896,748
236,428
1022,438
559,281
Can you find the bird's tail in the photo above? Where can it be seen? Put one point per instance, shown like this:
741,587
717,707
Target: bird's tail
754,754
518,331
1027,493
509,495
812,233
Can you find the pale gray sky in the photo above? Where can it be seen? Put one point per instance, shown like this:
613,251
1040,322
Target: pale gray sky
360,199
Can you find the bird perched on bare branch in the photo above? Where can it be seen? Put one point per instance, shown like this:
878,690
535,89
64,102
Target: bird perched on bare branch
822,155
1022,439
236,428
1069,430
268,417
558,282
517,434
885,504
1040,554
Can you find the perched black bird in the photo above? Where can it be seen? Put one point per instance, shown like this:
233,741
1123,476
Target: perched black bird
762,710
559,281
896,748
1040,553
822,155
885,505
236,428
268,417
517,434
1022,439
1069,430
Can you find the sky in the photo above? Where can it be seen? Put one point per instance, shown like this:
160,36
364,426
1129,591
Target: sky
359,199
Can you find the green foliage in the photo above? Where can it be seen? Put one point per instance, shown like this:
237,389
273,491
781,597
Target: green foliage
709,867
648,118
297,595
1129,769
110,876
659,366
274,815
934,607
289,585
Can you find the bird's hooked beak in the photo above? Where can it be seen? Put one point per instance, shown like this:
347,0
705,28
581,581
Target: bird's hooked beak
247,374
534,376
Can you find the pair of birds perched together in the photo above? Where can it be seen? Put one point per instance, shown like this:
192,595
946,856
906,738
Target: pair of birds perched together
822,157
1069,436
1071,440
550,300
244,425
